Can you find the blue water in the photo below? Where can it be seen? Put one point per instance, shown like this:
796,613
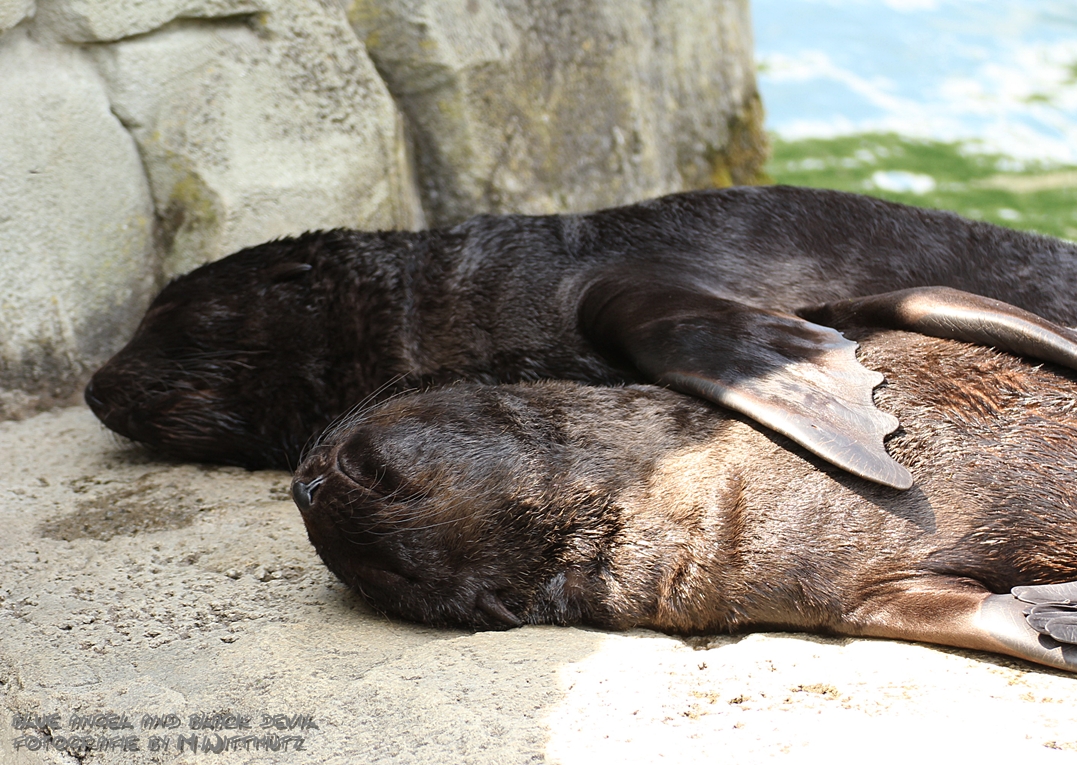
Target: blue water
1000,73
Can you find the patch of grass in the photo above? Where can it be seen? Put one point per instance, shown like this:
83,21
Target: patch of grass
951,176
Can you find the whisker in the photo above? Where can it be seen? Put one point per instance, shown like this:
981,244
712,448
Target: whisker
352,416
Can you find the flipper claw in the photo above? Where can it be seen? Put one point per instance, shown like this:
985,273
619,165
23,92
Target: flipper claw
491,605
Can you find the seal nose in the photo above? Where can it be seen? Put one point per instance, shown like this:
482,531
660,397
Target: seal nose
92,400
303,493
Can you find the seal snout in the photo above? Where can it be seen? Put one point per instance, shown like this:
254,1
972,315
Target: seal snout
92,400
103,394
303,493
100,396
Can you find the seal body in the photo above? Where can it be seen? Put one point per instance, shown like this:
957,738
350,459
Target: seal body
244,360
488,507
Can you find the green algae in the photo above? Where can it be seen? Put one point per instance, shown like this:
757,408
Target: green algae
1032,196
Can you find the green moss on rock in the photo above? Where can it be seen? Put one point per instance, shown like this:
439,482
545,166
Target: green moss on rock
1032,196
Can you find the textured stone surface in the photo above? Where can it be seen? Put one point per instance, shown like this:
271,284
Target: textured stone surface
76,224
258,127
14,11
536,106
109,20
135,587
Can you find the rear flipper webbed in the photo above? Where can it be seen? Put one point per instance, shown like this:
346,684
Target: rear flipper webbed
959,612
1037,622
793,375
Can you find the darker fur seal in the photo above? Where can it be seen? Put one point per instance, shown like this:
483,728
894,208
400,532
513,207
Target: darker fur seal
244,360
494,506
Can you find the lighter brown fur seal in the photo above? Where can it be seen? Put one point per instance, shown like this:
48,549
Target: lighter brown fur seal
488,506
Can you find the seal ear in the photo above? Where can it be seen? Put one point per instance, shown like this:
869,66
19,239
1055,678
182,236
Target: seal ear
283,272
797,378
957,315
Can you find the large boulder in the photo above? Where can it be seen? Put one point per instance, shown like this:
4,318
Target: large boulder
257,127
76,224
14,11
95,21
541,107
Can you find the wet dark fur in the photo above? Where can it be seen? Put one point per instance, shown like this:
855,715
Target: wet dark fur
636,506
243,360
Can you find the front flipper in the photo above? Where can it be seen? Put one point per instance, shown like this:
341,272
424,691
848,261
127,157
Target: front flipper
950,313
797,378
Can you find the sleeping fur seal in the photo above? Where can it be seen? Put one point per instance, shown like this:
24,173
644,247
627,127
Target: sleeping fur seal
244,360
494,506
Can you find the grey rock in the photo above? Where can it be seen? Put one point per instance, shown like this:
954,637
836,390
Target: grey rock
541,107
258,127
110,20
76,224
135,586
14,11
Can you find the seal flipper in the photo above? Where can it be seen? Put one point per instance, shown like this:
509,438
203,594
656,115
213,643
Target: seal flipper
957,315
1052,609
959,612
1035,623
795,377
